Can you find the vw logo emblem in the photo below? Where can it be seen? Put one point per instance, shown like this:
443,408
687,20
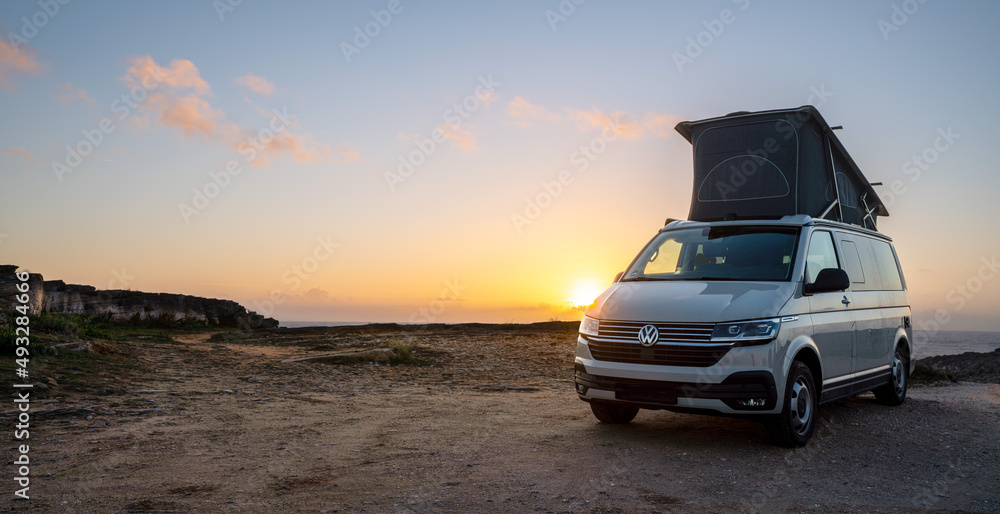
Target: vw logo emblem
648,335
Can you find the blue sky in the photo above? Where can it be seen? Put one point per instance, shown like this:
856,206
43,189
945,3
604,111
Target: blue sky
555,80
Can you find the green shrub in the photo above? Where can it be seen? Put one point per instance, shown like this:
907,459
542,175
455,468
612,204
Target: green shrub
57,323
403,354
924,374
7,337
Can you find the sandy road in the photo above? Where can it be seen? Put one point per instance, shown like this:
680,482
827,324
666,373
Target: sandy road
227,426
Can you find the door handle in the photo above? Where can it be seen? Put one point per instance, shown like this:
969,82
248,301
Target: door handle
845,301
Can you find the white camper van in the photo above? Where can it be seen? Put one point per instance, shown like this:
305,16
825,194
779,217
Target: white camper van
778,294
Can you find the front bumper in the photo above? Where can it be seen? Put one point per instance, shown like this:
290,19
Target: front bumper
740,392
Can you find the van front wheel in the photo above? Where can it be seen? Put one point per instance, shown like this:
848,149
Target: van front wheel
612,413
794,426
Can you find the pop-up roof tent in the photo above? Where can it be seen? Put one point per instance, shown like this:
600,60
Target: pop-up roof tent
769,164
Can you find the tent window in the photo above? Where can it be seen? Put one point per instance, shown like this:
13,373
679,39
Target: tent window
848,194
743,177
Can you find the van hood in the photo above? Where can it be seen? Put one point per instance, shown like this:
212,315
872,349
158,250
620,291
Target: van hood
690,301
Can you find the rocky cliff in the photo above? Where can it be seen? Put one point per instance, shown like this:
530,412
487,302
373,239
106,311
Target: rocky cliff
57,296
9,292
968,366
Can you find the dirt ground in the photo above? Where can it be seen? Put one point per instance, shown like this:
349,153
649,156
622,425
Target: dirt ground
487,421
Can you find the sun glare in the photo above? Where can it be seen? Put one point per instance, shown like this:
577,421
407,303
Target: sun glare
584,294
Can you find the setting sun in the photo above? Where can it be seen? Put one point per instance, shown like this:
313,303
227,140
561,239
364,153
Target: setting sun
585,293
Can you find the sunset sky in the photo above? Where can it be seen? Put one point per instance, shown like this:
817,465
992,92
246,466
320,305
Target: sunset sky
278,155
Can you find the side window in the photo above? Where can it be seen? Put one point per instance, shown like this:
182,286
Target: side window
665,259
852,264
821,255
887,269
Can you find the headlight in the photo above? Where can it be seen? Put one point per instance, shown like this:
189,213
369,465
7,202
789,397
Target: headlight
588,326
748,332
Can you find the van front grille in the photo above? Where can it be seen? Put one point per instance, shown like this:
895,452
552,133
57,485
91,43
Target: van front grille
679,344
669,332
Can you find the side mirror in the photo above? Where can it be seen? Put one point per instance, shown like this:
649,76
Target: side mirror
829,280
618,276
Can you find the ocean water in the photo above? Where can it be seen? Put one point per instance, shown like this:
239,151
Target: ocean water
300,324
952,342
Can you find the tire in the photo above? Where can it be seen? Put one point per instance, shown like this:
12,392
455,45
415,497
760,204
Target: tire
894,393
613,413
795,425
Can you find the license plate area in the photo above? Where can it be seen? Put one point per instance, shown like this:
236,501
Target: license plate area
645,394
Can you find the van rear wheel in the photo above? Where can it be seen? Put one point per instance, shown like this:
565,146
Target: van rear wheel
894,393
613,413
795,425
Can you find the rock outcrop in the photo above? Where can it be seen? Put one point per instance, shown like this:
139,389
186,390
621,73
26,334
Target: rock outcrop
9,291
57,296
968,366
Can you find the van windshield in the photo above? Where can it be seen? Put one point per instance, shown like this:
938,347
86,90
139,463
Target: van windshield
718,253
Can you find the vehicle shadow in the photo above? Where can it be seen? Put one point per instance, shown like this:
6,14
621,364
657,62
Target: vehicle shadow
662,428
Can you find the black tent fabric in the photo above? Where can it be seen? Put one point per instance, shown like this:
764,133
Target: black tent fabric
769,164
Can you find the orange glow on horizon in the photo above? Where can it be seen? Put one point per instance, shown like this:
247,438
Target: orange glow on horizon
585,292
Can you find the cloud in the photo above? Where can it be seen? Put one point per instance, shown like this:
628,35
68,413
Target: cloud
461,137
68,92
15,61
627,125
22,151
617,122
191,114
346,154
177,99
525,113
259,85
661,125
182,74
301,147
317,294
487,97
